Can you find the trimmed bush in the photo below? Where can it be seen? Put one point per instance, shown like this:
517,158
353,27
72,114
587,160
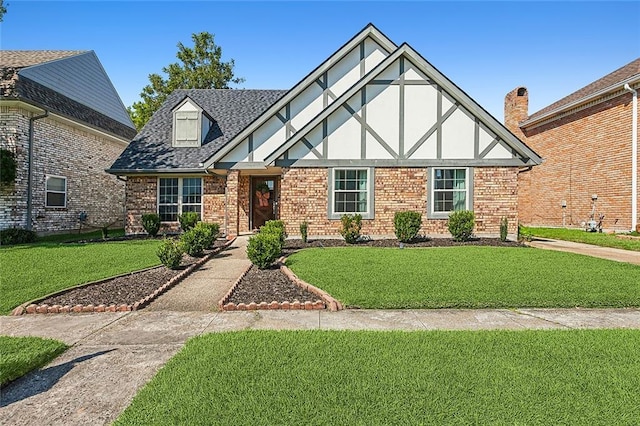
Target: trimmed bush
17,236
351,226
407,225
8,167
263,249
170,253
504,228
211,230
275,227
196,240
151,223
461,224
524,234
304,228
188,220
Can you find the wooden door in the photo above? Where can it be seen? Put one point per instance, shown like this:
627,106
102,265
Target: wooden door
265,195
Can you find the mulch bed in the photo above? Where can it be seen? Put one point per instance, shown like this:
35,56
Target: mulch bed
124,290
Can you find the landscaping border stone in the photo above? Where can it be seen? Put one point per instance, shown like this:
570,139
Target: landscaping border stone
33,307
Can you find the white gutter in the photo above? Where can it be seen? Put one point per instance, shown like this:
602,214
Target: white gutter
631,80
634,158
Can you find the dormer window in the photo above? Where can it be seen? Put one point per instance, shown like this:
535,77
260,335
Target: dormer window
189,124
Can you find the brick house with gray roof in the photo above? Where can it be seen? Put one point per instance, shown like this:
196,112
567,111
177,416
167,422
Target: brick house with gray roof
373,130
62,122
589,142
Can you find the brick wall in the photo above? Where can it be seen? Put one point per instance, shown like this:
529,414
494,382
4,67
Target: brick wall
142,198
63,150
304,197
585,153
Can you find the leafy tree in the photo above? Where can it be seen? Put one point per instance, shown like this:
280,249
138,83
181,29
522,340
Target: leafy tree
199,67
3,10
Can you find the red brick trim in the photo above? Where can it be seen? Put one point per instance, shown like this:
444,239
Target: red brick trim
34,308
333,304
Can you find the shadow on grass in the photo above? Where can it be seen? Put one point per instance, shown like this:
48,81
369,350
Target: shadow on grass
39,381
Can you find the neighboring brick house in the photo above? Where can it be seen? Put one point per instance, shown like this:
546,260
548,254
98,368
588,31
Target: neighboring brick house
589,147
63,122
374,129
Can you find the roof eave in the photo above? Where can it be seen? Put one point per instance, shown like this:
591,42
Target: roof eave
178,171
634,81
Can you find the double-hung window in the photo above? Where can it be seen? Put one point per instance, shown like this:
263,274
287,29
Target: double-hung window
56,191
351,192
179,195
450,190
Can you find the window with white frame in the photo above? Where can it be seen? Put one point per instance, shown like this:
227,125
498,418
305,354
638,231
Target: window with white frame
351,192
450,190
56,191
179,195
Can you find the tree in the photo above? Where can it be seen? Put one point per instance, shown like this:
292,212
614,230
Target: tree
199,67
3,10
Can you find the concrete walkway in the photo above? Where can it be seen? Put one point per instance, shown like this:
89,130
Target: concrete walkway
113,355
618,255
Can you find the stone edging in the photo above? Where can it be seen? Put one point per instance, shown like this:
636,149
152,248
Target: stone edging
33,308
225,305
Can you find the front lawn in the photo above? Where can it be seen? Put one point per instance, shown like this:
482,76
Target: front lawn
467,277
19,355
31,271
589,377
581,236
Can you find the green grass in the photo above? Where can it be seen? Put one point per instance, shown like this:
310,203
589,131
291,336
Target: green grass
31,271
581,236
64,238
467,277
19,355
587,377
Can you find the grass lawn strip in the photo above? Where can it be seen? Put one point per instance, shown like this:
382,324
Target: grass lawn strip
19,355
467,277
581,236
365,378
35,270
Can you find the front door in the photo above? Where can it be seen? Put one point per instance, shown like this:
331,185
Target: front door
265,194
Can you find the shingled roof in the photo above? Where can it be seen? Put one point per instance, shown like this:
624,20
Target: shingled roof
231,111
16,86
612,79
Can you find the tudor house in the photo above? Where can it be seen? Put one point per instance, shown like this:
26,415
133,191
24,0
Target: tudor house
61,124
374,129
589,142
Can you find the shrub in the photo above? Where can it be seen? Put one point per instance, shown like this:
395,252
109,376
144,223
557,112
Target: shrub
17,236
504,228
351,226
407,225
524,234
211,229
263,249
461,224
170,253
195,241
304,227
151,223
275,227
188,220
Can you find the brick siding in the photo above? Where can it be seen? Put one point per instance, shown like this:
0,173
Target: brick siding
587,152
63,150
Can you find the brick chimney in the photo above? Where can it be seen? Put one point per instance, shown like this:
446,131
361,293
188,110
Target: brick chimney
516,109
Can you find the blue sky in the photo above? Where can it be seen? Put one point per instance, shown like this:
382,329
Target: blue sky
486,48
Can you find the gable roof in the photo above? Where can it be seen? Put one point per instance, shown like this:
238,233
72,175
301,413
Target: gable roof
610,81
529,156
71,83
230,111
368,31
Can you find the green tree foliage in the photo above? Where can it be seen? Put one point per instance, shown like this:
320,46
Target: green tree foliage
3,10
199,67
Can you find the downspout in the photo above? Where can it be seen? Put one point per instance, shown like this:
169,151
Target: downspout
634,158
30,167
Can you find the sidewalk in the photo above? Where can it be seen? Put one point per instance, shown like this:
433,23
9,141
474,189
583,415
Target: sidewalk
618,255
112,355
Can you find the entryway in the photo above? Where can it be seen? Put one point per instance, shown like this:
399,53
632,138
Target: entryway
265,195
